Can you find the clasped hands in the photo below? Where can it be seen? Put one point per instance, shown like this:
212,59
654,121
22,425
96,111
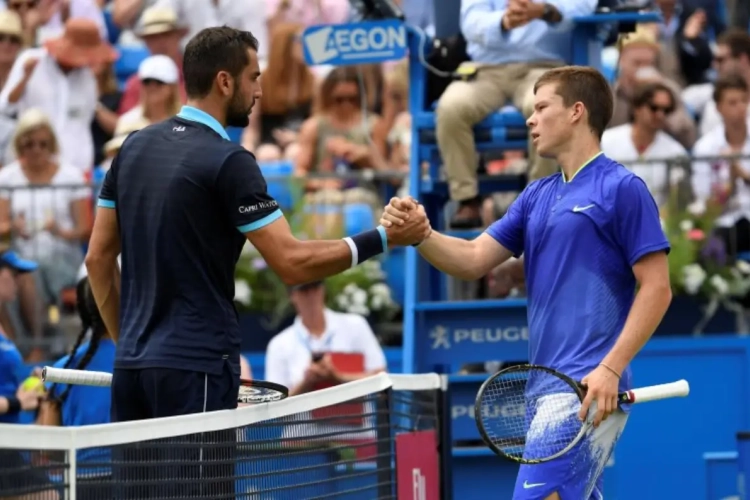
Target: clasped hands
521,12
405,222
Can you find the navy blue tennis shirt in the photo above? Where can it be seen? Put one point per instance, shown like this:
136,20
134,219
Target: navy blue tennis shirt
580,240
184,196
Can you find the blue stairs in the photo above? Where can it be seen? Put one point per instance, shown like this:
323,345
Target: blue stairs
442,335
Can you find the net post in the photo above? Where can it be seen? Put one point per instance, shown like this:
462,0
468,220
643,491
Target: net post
445,440
72,472
385,450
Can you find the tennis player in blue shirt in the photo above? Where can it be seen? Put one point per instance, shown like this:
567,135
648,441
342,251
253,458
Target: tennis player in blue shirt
588,235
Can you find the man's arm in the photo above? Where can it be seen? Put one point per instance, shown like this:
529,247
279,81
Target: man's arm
255,214
467,259
101,259
639,234
650,305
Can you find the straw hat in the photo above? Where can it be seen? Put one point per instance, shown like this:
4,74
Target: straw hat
10,23
157,20
81,45
643,36
122,130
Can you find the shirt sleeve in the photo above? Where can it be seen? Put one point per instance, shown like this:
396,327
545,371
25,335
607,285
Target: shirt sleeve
242,188
638,228
108,193
510,230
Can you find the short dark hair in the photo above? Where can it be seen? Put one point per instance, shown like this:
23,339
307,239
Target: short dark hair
585,85
732,81
644,93
738,42
213,50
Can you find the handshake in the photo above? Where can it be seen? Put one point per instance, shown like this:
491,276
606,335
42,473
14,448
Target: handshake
405,222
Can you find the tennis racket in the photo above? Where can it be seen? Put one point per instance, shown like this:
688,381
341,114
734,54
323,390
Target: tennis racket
529,413
251,391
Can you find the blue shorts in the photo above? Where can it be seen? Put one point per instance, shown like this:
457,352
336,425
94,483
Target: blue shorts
576,475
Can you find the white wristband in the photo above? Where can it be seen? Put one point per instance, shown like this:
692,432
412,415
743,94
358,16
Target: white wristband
353,248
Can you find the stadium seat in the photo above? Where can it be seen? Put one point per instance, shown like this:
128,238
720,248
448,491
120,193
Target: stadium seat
235,134
127,64
358,217
278,177
394,265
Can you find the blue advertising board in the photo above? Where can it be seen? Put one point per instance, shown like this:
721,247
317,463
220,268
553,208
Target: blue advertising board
350,44
455,336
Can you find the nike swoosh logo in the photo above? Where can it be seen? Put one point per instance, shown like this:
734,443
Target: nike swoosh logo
581,209
526,485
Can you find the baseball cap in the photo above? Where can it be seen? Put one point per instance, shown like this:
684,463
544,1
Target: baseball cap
11,259
306,286
160,68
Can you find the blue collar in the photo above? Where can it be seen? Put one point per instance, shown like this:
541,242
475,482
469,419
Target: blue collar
196,115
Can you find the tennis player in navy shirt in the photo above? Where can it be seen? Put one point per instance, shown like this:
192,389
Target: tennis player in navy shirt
588,235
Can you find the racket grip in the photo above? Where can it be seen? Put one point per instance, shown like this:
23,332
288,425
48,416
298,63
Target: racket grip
76,377
678,389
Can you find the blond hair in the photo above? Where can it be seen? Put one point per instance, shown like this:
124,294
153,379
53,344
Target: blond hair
30,121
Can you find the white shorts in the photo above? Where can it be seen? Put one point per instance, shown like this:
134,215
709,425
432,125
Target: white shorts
577,474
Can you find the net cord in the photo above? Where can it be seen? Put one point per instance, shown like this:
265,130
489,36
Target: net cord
92,436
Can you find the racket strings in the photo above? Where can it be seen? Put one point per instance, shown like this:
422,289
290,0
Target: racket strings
530,416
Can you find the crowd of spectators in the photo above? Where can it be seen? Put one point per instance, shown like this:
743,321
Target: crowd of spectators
681,87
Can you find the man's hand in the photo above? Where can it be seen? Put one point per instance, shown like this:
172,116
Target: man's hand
695,25
29,399
396,212
601,386
405,222
521,12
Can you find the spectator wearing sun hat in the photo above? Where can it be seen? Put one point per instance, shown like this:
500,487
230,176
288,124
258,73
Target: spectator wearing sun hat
58,80
11,42
162,34
160,93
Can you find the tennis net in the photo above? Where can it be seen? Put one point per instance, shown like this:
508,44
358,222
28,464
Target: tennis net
340,442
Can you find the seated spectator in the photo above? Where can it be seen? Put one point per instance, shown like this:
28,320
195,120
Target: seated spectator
105,117
683,35
303,357
45,19
45,208
340,138
509,53
288,89
732,56
638,60
11,41
58,80
94,349
644,138
13,371
162,34
727,181
160,93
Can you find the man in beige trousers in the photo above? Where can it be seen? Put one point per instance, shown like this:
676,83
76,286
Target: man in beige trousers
511,44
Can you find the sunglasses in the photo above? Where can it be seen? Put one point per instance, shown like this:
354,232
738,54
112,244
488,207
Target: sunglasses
343,99
10,38
655,108
26,145
150,81
20,5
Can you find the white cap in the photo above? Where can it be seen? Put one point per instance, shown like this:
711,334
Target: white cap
160,68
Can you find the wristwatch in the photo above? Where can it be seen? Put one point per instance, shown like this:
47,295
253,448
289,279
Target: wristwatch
551,15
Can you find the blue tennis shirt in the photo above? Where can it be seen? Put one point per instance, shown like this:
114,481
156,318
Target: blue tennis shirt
580,240
184,195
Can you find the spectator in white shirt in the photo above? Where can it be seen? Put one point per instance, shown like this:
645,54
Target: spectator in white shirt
160,92
11,41
732,56
727,181
45,210
298,356
58,80
644,139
